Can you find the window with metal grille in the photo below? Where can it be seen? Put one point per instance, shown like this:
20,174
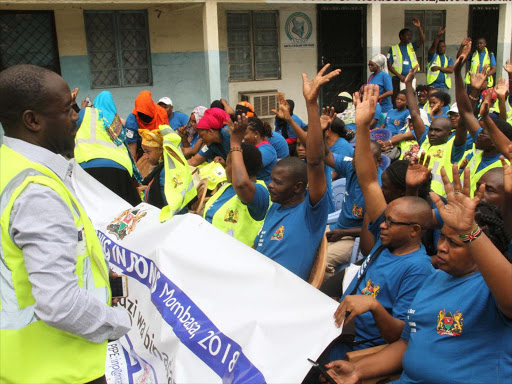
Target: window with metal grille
253,45
118,47
28,37
431,21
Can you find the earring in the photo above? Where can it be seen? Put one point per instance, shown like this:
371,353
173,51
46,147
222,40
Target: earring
255,136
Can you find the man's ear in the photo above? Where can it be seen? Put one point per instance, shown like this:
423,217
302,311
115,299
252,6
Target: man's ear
300,187
416,230
31,120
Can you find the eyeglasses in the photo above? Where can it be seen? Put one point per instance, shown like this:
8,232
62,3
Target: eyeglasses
390,222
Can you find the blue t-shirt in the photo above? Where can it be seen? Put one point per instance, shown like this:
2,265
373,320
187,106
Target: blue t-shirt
394,281
289,130
132,129
406,60
280,145
383,80
341,148
257,207
491,58
352,209
80,117
217,149
178,120
456,333
291,235
101,163
269,158
440,81
395,120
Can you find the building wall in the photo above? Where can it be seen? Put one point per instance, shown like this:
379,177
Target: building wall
293,61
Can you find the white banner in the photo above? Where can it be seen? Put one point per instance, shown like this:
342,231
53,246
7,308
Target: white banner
205,307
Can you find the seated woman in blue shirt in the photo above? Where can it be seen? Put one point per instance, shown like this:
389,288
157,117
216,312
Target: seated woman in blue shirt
240,206
460,321
258,133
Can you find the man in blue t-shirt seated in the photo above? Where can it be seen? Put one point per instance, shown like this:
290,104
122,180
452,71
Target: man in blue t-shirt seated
176,119
295,223
377,299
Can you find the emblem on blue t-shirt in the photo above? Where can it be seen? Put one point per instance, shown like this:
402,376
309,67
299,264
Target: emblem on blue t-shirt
371,289
278,234
357,211
448,324
231,216
125,223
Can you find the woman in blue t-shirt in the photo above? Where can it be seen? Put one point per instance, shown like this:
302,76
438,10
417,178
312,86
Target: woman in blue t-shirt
459,325
378,67
258,133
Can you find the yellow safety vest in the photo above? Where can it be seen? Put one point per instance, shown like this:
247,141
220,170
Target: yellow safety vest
30,350
440,156
93,142
397,57
474,163
496,108
214,172
433,75
475,66
179,187
234,218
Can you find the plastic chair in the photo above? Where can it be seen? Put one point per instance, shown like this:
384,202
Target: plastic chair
338,191
382,134
333,217
316,276
384,163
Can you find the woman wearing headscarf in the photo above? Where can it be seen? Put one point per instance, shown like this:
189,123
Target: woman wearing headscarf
145,115
213,132
191,142
378,67
101,149
152,147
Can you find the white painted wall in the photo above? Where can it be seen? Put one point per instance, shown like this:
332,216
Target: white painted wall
293,62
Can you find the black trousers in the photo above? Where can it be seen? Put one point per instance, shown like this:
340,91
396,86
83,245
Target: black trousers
118,181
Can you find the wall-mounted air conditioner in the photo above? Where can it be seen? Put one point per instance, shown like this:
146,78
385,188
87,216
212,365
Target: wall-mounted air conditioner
262,101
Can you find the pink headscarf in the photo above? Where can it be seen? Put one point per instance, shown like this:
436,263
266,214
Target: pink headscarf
213,118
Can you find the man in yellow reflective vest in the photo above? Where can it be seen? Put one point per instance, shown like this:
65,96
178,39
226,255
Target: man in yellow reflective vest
440,66
55,297
402,57
482,58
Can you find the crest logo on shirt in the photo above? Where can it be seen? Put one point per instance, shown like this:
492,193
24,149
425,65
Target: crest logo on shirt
231,216
176,180
448,324
125,223
278,234
371,289
438,154
357,211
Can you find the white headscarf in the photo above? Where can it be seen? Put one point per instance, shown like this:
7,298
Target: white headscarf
381,61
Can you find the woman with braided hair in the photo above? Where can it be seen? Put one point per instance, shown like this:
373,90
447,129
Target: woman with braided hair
460,321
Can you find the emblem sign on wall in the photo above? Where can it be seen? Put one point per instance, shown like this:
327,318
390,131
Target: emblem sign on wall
298,30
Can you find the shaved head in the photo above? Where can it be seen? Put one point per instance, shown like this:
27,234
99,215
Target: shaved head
414,209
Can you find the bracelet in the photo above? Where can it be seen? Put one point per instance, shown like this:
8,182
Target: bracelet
236,149
475,234
390,143
473,98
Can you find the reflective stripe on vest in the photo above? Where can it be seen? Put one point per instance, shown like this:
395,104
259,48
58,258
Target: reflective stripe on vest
433,75
32,351
233,217
179,186
475,66
93,142
440,156
398,59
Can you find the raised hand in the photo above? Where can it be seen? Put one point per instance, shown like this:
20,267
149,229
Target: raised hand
283,111
311,88
411,74
365,109
508,67
74,94
459,212
416,22
466,50
237,129
501,88
418,171
507,174
441,31
486,104
327,117
478,79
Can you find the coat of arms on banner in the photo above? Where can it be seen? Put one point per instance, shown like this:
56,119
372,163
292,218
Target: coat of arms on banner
125,223
448,324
